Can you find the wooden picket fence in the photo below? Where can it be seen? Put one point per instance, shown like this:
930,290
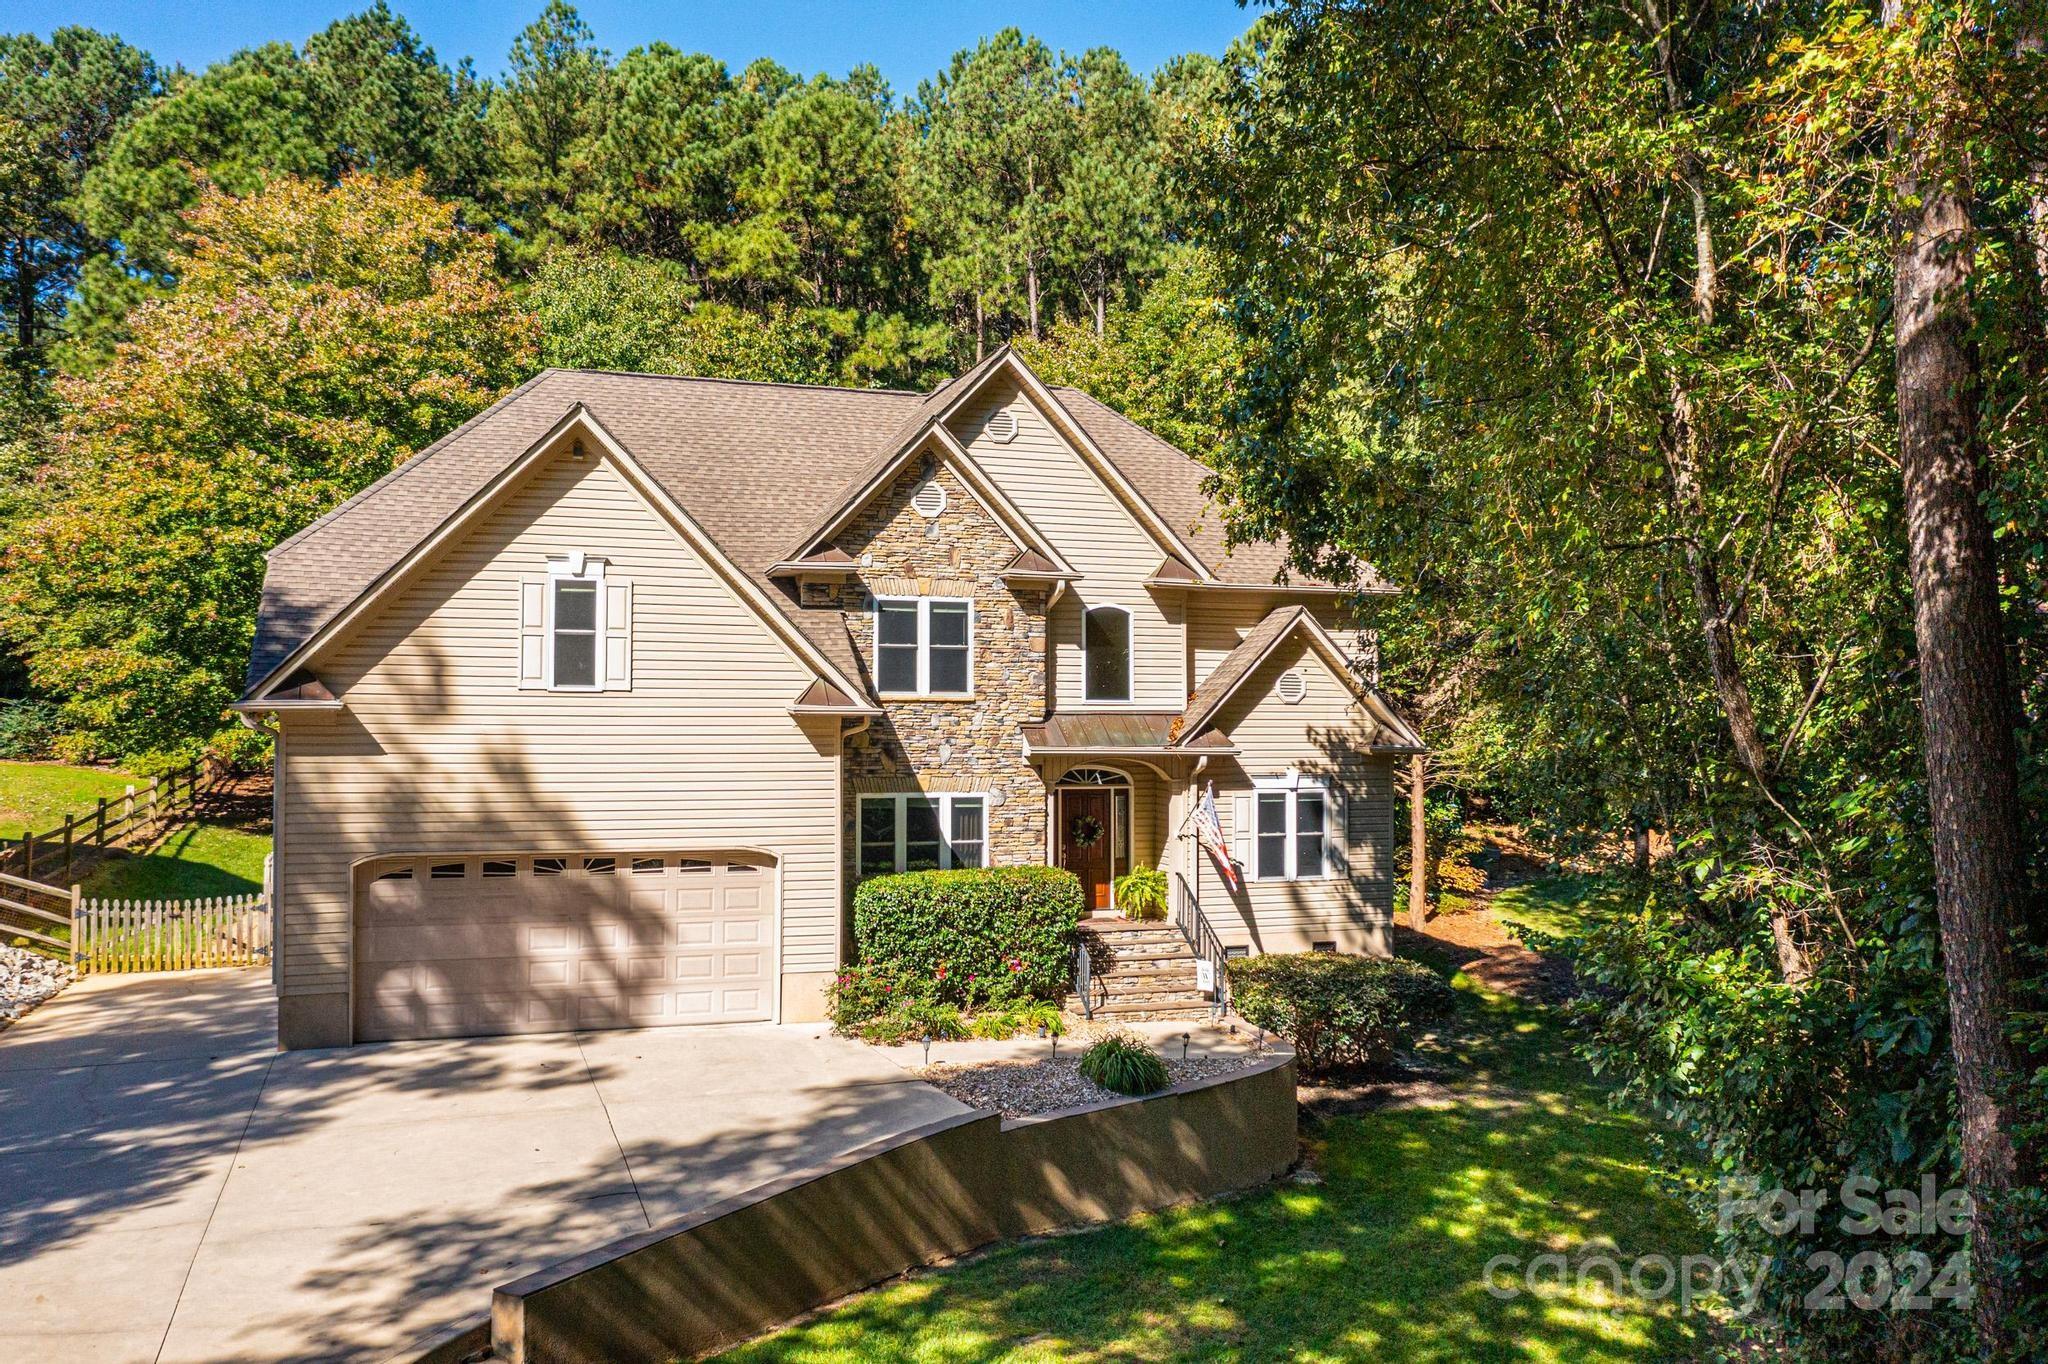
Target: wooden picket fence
137,935
170,935
129,820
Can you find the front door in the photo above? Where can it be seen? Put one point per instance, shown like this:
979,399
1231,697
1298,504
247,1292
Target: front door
1085,843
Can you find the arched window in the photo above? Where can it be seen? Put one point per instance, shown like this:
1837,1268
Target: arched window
1106,639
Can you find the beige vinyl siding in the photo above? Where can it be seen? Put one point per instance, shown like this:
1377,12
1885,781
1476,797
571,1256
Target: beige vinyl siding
439,750
1050,483
1219,621
1325,735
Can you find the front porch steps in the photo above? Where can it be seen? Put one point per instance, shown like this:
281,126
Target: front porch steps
1144,972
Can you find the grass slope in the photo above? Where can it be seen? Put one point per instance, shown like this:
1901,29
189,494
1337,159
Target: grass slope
198,860
1562,906
1384,1259
37,796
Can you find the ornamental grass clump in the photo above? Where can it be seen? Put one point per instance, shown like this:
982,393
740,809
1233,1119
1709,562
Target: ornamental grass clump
1337,1012
1123,1064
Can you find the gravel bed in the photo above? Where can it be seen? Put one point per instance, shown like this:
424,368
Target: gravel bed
1019,1088
27,979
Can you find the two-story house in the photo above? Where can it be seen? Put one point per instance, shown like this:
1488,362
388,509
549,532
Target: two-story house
594,712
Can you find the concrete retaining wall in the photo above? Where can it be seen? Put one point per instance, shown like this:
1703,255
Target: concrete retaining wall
770,1255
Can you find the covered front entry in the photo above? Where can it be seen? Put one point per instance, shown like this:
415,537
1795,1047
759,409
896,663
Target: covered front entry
1093,826
467,946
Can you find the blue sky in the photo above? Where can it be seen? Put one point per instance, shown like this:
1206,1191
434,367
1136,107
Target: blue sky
907,40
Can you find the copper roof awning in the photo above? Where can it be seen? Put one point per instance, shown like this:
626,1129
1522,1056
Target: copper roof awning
1135,732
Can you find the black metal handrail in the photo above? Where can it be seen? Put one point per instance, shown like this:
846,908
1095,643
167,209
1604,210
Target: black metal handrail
1084,979
1202,938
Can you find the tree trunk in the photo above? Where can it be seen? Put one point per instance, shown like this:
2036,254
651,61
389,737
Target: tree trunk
1641,840
1031,293
1418,850
1101,309
1680,442
1966,704
980,331
24,303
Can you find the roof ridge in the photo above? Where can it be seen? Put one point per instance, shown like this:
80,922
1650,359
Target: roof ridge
721,379
1136,425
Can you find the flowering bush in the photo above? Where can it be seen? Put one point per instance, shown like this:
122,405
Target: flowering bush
973,937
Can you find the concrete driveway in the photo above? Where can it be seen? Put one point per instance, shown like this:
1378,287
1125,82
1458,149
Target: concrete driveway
172,1188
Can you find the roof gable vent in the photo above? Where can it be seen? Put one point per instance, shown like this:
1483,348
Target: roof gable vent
1002,427
929,500
1292,686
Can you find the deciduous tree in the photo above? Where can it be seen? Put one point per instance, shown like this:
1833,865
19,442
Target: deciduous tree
317,338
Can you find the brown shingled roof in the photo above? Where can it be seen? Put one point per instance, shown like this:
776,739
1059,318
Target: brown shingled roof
752,463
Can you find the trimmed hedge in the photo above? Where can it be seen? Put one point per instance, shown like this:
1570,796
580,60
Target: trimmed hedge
971,935
1337,1011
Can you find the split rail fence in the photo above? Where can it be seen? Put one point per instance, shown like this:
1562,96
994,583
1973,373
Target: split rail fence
121,821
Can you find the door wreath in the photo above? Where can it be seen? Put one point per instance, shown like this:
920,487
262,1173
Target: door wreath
1085,831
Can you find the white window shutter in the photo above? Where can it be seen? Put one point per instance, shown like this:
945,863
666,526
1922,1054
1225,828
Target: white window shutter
533,632
618,635
1337,839
1241,834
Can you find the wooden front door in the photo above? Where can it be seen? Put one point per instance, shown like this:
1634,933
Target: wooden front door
1085,843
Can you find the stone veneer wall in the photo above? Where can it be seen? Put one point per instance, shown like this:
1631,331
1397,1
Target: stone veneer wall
954,746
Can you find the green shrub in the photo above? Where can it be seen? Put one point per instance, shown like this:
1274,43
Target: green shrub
1336,1010
909,1020
29,729
986,934
1001,1024
1123,1064
1141,893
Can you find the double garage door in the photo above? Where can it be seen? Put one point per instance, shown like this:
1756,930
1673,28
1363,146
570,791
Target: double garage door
461,947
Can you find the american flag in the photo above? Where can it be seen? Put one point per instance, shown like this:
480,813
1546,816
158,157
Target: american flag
1209,833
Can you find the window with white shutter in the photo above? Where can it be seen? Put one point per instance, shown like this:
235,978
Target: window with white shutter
583,640
1296,830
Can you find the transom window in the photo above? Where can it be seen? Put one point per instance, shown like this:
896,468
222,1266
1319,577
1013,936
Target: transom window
1106,643
1293,834
922,646
922,833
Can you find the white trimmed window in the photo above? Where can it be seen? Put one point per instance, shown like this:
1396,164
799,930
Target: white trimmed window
1106,649
576,628
1292,828
922,833
924,646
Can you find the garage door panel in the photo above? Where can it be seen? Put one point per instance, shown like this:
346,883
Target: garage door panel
550,950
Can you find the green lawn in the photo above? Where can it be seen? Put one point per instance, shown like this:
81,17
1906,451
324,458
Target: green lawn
37,796
198,860
1562,906
1383,1260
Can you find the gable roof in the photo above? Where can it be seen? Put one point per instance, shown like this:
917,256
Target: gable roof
1259,644
930,436
751,464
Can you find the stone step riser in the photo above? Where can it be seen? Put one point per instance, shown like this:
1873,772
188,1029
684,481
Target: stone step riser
1147,953
1149,976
